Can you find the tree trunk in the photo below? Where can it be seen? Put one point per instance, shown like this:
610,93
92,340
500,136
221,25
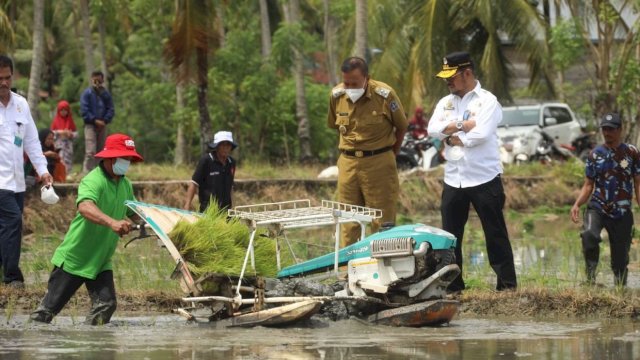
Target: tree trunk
361,29
206,130
103,51
179,156
37,58
329,41
302,116
560,86
265,29
219,25
86,38
13,13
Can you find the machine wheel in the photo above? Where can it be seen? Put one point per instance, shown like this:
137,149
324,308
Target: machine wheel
444,258
436,260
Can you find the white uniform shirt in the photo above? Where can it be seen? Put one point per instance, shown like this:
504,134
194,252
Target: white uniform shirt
481,160
18,133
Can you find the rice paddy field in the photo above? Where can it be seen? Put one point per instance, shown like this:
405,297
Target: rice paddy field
546,244
552,315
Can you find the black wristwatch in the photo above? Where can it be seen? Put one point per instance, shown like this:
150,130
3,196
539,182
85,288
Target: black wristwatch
447,140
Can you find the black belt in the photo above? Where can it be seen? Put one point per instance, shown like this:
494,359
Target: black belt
365,153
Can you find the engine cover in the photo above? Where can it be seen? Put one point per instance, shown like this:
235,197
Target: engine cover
378,274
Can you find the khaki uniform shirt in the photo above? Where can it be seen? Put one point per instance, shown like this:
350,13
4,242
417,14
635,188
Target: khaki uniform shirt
370,123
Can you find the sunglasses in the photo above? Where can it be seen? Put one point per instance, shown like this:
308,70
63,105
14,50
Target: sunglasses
451,78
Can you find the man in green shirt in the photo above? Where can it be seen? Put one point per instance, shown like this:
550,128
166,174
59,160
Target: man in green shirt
84,257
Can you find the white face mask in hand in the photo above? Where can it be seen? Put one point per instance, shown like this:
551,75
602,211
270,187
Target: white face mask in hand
48,195
454,153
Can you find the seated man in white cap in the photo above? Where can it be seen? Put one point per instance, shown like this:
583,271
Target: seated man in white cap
84,257
214,174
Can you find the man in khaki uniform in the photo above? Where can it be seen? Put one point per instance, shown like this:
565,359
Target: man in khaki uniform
371,122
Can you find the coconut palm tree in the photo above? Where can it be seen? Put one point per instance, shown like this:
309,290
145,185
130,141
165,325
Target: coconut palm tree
7,37
265,29
87,41
330,42
187,52
292,15
103,11
415,35
37,58
360,48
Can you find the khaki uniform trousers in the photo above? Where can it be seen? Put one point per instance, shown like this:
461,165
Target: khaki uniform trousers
369,181
94,140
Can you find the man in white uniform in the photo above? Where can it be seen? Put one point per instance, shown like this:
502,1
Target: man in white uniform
467,120
18,134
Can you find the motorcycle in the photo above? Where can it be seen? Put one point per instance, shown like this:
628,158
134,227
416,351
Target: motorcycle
420,153
583,144
548,150
536,146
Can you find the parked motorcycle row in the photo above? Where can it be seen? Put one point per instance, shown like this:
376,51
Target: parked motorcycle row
424,154
514,150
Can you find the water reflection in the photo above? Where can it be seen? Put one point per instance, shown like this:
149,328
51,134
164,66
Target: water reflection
169,337
548,246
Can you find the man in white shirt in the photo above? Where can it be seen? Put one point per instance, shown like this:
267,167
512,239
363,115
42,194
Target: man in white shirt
18,134
467,121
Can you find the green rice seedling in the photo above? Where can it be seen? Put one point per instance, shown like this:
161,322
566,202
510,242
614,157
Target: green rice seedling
216,244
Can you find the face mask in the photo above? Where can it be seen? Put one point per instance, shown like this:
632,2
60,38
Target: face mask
355,94
121,166
48,195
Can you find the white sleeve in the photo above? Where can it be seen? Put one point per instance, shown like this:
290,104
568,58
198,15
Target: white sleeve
437,123
487,121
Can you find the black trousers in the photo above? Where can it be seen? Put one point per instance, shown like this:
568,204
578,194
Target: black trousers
11,206
620,231
63,285
488,200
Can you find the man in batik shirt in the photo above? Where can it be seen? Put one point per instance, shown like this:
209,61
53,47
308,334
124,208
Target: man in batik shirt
612,175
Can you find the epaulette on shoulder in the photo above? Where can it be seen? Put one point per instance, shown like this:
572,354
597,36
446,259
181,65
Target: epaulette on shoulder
337,92
384,92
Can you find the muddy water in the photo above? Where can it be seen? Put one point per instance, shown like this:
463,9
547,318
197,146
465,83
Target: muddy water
169,337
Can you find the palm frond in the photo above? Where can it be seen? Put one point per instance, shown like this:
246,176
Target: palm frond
7,36
191,34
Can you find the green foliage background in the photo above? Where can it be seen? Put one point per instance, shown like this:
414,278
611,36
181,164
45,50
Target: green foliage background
254,96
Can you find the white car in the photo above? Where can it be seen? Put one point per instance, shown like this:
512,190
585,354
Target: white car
520,131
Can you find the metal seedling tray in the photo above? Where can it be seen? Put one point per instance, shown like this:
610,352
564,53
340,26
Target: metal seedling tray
278,216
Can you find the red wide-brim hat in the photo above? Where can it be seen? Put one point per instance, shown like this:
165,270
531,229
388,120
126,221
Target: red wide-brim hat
119,146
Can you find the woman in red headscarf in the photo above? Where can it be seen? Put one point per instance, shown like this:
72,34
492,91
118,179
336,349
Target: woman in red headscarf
65,131
418,124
